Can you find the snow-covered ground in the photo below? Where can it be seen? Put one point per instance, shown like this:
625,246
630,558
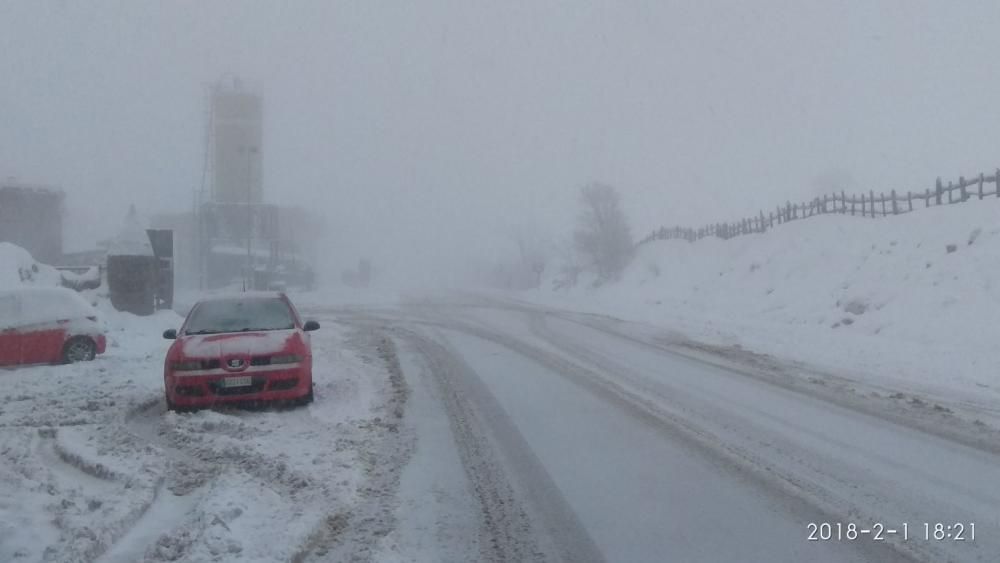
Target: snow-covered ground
909,302
838,369
93,468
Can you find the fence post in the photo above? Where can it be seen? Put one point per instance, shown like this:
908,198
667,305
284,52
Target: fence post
927,198
852,205
909,199
895,210
951,188
862,205
788,211
982,178
996,181
961,186
871,199
938,187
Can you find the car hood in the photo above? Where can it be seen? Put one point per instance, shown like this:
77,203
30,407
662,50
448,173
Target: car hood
237,344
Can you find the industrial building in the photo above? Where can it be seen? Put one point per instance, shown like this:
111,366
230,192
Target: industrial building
32,217
233,236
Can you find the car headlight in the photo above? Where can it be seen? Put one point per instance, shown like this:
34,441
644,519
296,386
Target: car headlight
189,365
286,359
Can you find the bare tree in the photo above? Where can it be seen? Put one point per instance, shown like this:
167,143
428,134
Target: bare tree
603,236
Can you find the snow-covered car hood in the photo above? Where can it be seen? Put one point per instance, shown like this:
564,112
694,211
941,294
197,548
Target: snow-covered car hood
236,344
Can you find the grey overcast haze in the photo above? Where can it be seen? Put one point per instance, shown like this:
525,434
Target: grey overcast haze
431,131
430,281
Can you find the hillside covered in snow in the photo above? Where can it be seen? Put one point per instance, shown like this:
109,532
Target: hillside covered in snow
910,301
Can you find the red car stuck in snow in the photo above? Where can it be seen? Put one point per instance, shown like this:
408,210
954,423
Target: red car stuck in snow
48,325
249,347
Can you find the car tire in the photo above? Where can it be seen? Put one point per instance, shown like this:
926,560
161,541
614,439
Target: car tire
307,398
79,349
172,407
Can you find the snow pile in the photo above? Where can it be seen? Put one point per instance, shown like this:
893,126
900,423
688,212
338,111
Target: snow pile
910,300
17,267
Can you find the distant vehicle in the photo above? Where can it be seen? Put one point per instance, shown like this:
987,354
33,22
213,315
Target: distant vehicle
245,348
48,325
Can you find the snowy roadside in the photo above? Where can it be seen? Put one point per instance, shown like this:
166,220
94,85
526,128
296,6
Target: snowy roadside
904,306
93,468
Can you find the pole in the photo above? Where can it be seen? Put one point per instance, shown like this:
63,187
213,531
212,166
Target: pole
248,279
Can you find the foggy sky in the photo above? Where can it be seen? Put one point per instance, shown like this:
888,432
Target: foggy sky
427,131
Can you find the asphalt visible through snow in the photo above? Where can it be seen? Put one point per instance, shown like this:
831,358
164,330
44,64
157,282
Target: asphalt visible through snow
460,428
576,441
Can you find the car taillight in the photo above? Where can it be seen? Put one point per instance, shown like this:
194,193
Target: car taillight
286,359
190,365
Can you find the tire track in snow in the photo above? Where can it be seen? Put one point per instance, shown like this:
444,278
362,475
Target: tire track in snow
800,485
908,409
524,517
914,409
353,532
598,377
94,482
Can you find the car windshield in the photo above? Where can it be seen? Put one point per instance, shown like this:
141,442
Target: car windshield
240,315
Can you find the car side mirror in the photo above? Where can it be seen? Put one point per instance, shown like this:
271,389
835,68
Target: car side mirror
170,334
310,326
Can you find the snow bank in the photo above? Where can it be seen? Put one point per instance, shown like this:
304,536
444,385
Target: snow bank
17,267
912,299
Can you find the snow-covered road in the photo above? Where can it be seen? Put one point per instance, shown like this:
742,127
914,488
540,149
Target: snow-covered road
461,429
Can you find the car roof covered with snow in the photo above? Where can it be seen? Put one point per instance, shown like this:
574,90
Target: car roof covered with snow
29,305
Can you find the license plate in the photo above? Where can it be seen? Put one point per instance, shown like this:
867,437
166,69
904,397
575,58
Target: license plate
242,381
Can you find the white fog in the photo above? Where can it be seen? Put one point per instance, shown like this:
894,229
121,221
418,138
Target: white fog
457,280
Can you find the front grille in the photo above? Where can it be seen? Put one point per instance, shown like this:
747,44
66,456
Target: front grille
189,390
257,385
260,361
283,384
210,364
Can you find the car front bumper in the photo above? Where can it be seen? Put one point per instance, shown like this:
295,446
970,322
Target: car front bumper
265,386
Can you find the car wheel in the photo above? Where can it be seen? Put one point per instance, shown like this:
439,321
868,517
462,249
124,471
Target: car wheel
79,349
307,398
177,409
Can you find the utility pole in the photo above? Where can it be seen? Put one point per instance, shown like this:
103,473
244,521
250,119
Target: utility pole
248,279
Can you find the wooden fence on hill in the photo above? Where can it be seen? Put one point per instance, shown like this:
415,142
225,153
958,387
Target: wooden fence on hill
864,205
